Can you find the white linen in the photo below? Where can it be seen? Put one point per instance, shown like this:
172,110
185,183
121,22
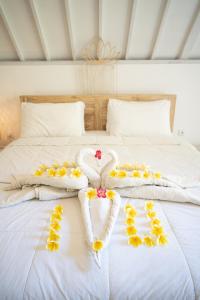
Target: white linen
52,119
138,118
28,271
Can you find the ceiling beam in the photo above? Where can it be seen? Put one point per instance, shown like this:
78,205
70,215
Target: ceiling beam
131,28
191,37
11,33
69,27
161,28
39,29
100,19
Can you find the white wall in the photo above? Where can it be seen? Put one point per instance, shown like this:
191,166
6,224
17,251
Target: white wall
180,79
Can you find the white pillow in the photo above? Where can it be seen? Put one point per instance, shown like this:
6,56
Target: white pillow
49,119
138,118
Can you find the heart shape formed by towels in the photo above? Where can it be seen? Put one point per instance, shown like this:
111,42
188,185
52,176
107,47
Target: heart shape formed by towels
100,209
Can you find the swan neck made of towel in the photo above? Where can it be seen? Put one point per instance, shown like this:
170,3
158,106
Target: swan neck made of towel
93,176
112,164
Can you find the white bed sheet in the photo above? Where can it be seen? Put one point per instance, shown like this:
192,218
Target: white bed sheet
28,271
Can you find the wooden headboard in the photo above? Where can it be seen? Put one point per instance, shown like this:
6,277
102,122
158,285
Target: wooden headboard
96,105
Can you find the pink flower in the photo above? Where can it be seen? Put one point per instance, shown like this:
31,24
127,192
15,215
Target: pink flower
101,193
98,154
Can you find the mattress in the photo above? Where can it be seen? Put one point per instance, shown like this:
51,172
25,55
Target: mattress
29,271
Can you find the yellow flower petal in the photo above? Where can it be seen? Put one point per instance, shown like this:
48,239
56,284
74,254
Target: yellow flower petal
157,175
135,241
157,230
121,174
155,222
91,193
149,241
55,165
136,174
130,221
76,173
38,172
110,194
162,240
151,214
51,172
127,207
55,225
149,205
97,245
113,173
56,216
66,164
52,246
131,212
43,167
53,237
61,172
146,175
58,209
131,230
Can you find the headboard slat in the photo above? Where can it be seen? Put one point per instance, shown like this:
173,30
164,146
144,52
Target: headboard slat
96,105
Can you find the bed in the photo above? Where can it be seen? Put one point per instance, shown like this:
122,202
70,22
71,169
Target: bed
29,271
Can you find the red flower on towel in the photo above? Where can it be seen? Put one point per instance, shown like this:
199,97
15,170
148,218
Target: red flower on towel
98,154
101,193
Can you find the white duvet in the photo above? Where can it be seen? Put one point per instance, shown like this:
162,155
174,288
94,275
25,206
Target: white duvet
28,271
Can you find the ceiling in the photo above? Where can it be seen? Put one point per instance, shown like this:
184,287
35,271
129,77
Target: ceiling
52,30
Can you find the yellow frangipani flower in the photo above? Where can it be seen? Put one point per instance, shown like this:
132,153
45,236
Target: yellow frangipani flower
58,209
146,174
136,174
56,216
51,172
55,225
155,222
149,205
66,164
131,230
61,172
113,173
76,173
130,221
52,246
91,193
53,237
43,167
149,241
110,194
131,212
157,230
157,175
97,245
162,240
38,172
127,207
74,164
121,174
55,165
135,241
151,214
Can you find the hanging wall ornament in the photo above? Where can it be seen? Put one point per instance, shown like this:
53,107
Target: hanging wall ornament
99,73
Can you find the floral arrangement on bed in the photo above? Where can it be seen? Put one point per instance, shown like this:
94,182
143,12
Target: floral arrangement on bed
156,235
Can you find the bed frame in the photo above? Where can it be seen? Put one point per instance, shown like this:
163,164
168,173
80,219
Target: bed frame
96,105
